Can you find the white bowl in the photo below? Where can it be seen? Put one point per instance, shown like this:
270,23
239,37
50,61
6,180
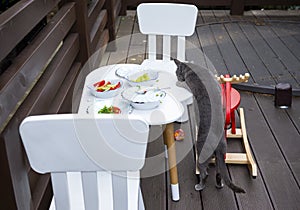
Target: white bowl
124,71
143,97
152,75
108,93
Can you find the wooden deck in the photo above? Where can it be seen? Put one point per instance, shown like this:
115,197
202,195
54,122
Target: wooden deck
267,45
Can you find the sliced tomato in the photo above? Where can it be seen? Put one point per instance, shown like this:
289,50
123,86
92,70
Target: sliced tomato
116,110
99,84
116,86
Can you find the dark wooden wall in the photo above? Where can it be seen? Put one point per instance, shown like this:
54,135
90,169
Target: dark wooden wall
43,46
236,6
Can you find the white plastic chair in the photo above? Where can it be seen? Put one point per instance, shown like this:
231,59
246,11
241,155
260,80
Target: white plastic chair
168,20
94,162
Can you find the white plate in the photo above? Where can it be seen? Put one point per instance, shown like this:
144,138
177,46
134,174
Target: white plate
144,97
98,105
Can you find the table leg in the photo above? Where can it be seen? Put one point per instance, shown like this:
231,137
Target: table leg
170,142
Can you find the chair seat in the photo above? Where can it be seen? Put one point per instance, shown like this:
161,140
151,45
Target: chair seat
235,99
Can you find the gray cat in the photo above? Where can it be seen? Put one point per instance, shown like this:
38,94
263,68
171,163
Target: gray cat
197,80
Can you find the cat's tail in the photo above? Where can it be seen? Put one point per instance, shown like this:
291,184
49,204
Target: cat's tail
223,170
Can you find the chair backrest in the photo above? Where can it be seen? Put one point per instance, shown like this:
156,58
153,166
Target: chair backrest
167,19
95,146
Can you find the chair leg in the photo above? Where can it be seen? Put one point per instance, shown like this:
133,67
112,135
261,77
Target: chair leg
141,205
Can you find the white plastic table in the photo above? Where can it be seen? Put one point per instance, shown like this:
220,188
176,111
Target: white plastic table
169,111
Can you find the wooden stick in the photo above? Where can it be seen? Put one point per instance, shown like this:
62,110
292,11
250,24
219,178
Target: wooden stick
252,165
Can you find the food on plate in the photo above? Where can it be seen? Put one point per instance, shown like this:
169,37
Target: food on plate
143,97
142,78
109,110
103,85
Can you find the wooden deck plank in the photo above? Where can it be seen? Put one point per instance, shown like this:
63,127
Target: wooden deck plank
214,60
286,35
279,123
268,57
259,72
286,27
229,53
282,52
279,181
137,47
282,14
194,51
123,37
106,55
288,18
297,36
294,112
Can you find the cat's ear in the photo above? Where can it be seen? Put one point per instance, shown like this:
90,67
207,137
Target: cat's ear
177,62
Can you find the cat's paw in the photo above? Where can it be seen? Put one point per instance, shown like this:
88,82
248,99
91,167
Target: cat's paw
219,185
199,187
219,182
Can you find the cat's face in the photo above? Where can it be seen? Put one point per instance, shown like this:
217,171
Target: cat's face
180,70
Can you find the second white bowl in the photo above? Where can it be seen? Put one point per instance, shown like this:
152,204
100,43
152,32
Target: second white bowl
142,78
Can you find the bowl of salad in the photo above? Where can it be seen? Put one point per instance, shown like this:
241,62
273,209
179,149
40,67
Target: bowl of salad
106,88
142,78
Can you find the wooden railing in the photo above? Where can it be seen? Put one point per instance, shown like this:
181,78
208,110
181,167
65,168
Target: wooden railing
236,6
43,46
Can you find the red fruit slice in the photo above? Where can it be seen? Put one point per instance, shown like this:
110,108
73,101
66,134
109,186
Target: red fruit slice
99,84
